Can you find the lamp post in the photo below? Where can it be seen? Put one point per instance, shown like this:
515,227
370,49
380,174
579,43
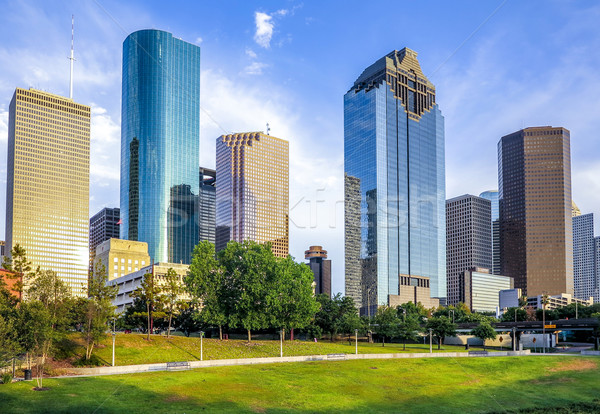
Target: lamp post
201,348
114,334
544,302
404,314
356,341
516,315
452,310
281,343
430,340
576,303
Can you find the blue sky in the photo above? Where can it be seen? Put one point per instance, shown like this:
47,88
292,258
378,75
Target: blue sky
497,66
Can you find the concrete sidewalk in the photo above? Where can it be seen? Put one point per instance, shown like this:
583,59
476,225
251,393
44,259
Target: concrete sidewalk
130,369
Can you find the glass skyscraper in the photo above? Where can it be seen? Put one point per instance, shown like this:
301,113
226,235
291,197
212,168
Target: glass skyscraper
160,137
394,181
492,195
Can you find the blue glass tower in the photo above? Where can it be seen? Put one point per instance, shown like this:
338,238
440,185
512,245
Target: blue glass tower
394,181
492,195
160,139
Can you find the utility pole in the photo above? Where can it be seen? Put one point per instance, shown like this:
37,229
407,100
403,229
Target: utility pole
514,338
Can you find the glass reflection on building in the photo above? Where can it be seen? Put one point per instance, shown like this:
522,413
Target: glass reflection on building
394,161
160,138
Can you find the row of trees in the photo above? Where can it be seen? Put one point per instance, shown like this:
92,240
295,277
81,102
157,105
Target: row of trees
245,286
34,326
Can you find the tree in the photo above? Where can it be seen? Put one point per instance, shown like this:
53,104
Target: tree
441,327
18,264
509,315
408,329
246,267
417,311
387,322
188,319
172,291
98,308
206,284
150,293
332,310
290,299
484,331
35,334
348,323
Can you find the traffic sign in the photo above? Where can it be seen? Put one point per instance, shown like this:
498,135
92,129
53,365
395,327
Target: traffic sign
549,326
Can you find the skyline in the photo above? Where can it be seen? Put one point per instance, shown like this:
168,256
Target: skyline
291,65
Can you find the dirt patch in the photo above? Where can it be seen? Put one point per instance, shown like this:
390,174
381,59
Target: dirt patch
552,380
176,398
574,365
40,389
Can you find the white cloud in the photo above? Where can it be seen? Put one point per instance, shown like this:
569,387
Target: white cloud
255,68
264,29
3,127
251,53
199,40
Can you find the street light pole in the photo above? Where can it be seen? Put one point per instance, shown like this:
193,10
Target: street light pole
113,338
356,341
430,340
452,310
576,303
281,343
201,348
516,315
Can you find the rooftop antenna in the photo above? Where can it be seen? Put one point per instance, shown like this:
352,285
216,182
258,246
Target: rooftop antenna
268,129
71,58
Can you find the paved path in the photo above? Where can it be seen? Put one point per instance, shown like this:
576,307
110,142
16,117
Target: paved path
130,369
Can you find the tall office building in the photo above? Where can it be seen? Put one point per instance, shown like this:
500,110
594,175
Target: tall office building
585,276
492,195
160,136
48,183
468,240
103,226
536,230
321,268
597,269
575,210
394,155
253,190
207,205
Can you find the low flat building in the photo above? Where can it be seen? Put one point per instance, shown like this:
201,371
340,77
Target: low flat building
480,290
128,283
122,257
557,301
413,289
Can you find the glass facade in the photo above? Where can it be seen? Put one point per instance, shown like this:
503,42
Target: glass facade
48,184
492,195
160,139
207,204
394,150
584,251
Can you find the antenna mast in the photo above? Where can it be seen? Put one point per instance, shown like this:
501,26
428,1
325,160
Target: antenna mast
268,129
71,58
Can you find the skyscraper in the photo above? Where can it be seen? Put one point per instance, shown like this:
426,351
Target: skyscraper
47,186
394,154
160,136
584,261
321,268
207,204
103,226
253,190
492,195
468,240
536,231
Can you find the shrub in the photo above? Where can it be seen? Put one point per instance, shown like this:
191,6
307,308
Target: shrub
6,378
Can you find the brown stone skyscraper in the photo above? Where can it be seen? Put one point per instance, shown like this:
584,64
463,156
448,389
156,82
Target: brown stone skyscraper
536,234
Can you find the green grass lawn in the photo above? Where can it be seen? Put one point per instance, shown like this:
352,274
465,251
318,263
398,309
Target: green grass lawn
135,349
432,385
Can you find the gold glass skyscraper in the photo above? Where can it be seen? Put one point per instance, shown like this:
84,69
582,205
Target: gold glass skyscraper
252,200
47,186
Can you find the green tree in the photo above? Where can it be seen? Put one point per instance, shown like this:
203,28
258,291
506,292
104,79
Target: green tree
149,292
207,285
509,315
188,319
19,265
484,331
246,268
441,327
417,311
387,322
348,323
35,334
408,329
98,308
290,300
135,316
331,311
172,291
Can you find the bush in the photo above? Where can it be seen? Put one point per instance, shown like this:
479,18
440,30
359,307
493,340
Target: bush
6,378
94,361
